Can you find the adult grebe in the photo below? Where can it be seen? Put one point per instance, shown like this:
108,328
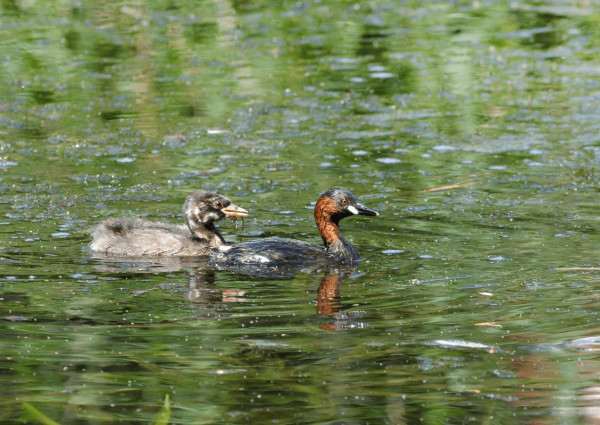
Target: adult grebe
136,237
282,256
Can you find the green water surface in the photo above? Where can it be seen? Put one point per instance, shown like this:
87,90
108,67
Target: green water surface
472,127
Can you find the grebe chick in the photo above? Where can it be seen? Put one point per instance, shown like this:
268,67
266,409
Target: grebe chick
137,237
283,256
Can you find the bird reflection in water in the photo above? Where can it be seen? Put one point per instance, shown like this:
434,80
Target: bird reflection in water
203,291
328,301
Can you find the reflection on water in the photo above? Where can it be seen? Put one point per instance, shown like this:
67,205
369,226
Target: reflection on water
205,293
471,128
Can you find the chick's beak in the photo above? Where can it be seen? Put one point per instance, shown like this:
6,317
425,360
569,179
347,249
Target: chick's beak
232,210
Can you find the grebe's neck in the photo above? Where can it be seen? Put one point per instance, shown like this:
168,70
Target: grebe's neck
205,232
327,217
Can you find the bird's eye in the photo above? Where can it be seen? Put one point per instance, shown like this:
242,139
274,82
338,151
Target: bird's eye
218,205
344,202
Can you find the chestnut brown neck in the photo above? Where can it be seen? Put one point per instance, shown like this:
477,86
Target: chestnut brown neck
328,216
325,209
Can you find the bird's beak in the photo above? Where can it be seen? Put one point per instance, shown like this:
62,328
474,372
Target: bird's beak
232,210
364,210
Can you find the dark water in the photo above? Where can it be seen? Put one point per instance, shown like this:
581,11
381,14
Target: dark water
472,127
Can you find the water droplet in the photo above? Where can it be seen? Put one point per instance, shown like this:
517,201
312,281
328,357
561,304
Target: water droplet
392,251
444,148
388,160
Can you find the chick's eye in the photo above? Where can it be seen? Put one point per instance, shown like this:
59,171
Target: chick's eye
218,205
344,202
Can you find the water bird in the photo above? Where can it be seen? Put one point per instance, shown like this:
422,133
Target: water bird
283,256
197,237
